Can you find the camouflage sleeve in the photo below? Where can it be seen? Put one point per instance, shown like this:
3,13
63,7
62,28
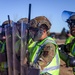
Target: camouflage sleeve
47,55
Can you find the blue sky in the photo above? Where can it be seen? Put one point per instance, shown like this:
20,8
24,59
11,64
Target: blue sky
52,9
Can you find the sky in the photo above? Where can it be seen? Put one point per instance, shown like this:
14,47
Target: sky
52,9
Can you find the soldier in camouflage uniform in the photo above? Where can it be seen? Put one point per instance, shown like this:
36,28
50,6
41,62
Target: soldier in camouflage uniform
43,52
18,42
68,54
3,65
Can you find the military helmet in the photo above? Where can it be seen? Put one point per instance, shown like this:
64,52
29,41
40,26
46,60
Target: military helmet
40,20
25,20
71,20
6,23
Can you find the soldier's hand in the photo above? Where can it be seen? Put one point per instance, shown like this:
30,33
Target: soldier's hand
71,62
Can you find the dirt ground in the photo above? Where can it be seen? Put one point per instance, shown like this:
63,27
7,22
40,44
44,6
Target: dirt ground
65,70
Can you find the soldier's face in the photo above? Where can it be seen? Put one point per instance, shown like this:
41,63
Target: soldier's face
36,33
72,29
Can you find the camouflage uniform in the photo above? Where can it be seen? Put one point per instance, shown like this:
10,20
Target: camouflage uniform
44,49
46,56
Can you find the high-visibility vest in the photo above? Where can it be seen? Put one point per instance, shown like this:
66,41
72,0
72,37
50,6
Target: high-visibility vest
72,48
3,65
3,47
69,39
31,44
54,65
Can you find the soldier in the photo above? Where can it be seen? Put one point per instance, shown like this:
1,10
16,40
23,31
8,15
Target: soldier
24,20
43,52
67,54
17,45
71,40
3,65
70,22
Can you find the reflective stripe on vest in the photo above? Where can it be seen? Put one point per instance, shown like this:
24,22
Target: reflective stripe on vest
53,67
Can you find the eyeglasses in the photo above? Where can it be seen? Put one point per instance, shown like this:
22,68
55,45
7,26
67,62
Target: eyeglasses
71,23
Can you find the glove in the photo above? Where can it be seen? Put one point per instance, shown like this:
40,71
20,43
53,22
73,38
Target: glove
71,62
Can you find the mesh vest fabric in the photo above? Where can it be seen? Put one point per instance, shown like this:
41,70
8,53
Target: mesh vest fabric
53,67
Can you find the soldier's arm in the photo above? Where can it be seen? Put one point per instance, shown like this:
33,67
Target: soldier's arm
47,55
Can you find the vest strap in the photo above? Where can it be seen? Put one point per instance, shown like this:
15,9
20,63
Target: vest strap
51,68
41,46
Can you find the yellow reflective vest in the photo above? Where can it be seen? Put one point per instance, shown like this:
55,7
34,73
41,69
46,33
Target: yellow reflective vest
3,65
72,48
69,39
35,49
